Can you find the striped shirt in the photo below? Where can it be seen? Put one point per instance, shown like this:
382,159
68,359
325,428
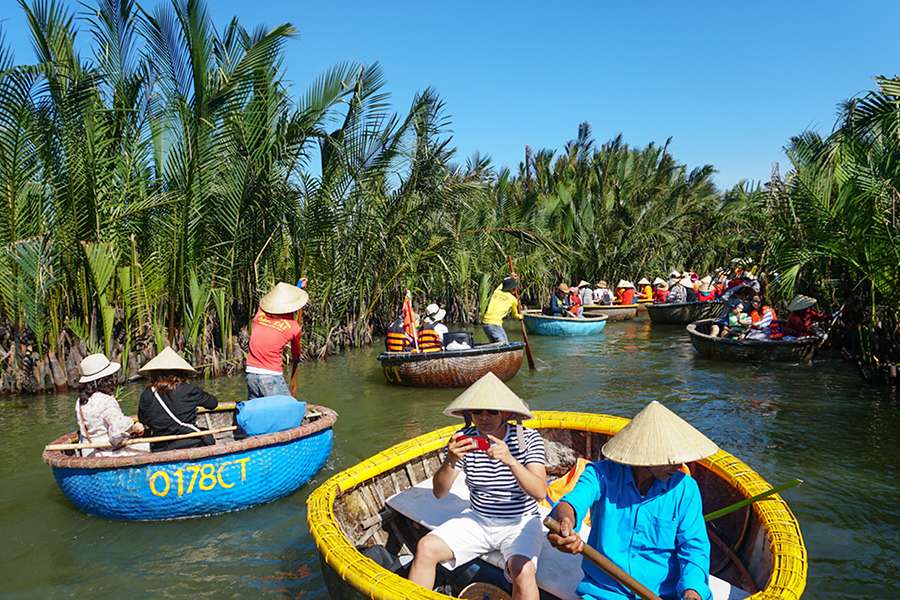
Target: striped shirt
493,489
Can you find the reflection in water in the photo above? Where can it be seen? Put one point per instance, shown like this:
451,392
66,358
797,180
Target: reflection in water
818,423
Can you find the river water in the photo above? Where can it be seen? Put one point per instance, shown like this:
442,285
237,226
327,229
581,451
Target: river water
819,423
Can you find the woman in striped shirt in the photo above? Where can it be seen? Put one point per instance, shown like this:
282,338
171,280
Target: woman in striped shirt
505,472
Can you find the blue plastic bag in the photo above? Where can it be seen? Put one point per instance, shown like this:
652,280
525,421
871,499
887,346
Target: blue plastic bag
269,414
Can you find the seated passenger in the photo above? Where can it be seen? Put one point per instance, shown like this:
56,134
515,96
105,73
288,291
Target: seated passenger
645,290
434,316
396,338
602,295
763,320
573,304
661,290
802,317
168,406
585,293
558,301
100,419
706,291
674,277
505,482
683,291
625,292
738,322
646,514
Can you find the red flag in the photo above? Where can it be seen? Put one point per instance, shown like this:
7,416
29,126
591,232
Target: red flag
409,321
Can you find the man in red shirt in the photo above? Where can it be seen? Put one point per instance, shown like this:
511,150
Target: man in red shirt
802,317
274,327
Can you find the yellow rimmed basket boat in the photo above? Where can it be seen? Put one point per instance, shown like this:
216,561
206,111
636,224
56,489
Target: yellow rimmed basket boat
758,549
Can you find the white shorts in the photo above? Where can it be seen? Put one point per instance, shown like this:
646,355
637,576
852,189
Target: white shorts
471,535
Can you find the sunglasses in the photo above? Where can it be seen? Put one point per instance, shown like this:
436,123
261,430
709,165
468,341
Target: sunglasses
488,412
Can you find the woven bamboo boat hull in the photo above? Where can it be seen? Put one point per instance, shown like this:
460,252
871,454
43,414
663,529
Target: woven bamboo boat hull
758,548
454,368
195,482
726,349
540,324
684,313
613,313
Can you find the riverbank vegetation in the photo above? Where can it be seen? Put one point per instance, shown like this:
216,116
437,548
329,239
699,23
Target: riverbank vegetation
157,183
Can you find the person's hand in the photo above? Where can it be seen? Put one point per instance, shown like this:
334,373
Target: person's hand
137,429
457,448
691,595
500,451
567,540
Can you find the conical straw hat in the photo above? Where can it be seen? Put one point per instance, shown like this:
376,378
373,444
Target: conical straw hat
655,437
167,360
583,283
284,298
801,302
624,283
686,282
658,281
706,280
644,281
675,274
488,393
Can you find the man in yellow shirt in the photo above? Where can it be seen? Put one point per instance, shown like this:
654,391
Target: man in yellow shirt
502,302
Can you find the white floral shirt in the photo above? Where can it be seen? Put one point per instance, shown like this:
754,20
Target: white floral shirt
101,421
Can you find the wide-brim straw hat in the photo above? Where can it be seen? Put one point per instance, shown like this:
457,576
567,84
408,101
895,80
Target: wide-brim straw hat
658,281
510,283
686,282
284,298
488,393
563,288
624,283
656,437
435,312
167,360
801,302
644,281
602,284
97,366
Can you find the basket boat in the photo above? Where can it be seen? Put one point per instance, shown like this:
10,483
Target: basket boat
452,368
717,348
616,312
194,482
757,551
682,313
541,324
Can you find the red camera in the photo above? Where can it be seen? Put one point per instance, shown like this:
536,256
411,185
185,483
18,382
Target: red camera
481,443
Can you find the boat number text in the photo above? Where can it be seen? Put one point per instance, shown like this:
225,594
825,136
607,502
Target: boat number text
205,477
392,374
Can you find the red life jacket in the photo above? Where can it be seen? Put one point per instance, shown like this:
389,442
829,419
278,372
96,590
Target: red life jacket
706,297
660,295
429,340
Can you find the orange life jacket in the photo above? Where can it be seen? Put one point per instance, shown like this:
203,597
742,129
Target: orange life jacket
429,340
396,339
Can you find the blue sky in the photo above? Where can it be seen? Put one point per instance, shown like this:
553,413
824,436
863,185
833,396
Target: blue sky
729,82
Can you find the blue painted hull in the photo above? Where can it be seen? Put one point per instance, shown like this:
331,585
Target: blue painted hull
199,486
542,325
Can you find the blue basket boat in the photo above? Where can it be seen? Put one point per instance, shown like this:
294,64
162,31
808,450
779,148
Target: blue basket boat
540,324
194,482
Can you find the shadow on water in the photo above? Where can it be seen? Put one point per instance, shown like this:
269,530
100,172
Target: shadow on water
819,423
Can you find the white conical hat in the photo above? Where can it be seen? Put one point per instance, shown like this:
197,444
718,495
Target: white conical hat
658,281
624,283
675,274
488,393
167,360
801,302
283,298
686,282
706,280
655,437
644,281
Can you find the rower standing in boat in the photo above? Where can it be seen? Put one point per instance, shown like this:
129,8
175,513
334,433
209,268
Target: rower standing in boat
506,476
274,327
646,514
501,304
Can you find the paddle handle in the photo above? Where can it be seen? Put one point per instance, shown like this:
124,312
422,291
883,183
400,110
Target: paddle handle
748,501
159,438
608,566
522,321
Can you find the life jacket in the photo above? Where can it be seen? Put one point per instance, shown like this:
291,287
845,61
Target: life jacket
429,340
775,331
706,297
660,295
396,339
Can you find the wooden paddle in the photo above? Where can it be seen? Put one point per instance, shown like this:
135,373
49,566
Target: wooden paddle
139,440
748,501
608,566
522,321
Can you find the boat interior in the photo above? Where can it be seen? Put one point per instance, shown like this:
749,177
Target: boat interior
386,515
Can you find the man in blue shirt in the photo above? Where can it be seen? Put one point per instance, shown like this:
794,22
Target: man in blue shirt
558,305
646,514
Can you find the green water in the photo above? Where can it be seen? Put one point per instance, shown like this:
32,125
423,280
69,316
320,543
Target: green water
818,423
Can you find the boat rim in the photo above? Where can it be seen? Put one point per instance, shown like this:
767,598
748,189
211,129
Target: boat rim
612,307
530,315
478,350
692,330
785,541
59,460
680,304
